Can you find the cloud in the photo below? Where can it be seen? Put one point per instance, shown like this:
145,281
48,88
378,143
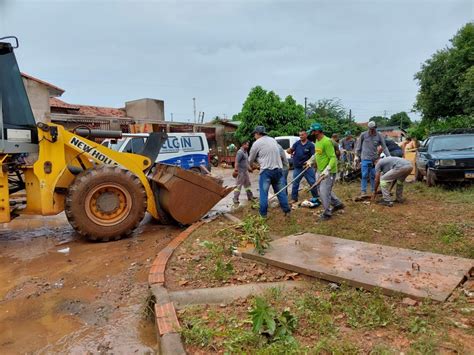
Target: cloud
105,52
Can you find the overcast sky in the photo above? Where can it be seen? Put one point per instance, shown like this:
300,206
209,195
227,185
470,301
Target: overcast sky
107,52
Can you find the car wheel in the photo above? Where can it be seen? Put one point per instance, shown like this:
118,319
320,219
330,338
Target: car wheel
418,174
430,178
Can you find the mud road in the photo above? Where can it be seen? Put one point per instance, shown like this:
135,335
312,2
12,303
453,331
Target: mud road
61,294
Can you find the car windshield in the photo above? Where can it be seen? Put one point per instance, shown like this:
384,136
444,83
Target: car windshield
457,142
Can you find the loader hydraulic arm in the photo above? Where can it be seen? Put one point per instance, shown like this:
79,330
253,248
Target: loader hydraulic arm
105,194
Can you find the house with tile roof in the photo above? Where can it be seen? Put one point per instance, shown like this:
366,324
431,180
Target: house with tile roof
142,115
39,92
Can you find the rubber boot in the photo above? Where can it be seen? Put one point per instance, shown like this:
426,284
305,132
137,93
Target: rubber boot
236,197
249,194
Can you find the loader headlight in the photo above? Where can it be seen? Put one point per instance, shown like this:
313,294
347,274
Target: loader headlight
445,162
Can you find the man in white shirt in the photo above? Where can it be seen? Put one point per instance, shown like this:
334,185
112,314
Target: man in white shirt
266,152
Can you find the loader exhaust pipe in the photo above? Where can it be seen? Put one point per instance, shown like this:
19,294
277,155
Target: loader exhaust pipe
87,132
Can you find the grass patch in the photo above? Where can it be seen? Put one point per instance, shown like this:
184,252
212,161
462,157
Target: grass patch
197,333
360,309
255,230
343,321
445,193
451,233
335,347
416,224
367,310
222,269
456,238
425,344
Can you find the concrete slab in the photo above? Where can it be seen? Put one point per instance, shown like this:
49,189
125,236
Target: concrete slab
217,295
394,270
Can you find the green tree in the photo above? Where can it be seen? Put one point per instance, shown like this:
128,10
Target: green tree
380,120
422,129
333,116
332,108
400,119
446,79
267,109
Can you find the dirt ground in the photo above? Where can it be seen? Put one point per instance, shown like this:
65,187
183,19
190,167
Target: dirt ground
60,294
205,260
333,321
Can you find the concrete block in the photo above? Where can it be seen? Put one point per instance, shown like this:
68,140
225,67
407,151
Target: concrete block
146,110
170,344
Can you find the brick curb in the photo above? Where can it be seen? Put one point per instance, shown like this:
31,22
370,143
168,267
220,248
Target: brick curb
165,313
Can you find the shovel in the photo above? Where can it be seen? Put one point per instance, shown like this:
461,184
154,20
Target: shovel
316,184
290,183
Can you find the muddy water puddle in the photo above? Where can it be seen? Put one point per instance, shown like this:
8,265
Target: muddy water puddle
61,294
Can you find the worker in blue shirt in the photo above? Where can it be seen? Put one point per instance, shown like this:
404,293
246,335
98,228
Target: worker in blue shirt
302,151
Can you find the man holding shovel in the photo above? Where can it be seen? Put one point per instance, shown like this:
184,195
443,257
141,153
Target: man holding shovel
266,151
326,162
302,151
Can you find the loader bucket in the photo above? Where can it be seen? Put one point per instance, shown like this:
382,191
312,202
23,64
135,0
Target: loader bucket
185,195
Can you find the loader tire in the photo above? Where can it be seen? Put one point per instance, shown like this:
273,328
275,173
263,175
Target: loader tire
106,203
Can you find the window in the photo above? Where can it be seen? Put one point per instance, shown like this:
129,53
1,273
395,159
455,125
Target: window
192,144
187,143
134,145
455,142
16,107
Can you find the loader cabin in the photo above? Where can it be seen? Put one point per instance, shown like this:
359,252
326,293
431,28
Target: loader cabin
18,133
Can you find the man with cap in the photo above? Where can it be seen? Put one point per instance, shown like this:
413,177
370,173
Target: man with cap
390,170
366,153
326,162
267,152
347,145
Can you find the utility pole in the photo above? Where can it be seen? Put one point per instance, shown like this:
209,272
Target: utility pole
171,116
350,114
306,107
194,106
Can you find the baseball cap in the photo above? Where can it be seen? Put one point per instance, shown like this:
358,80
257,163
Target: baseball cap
260,130
372,124
315,127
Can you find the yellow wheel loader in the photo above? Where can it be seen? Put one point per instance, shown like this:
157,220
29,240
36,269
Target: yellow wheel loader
46,169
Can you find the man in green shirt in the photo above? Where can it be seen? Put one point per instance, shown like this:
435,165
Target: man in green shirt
327,167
